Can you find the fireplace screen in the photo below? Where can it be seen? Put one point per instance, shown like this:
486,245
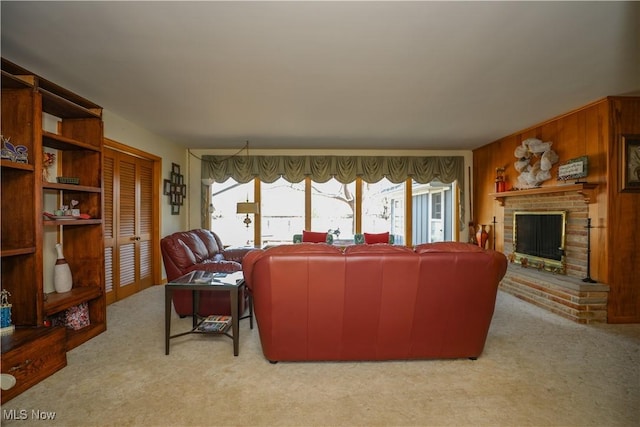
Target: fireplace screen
539,238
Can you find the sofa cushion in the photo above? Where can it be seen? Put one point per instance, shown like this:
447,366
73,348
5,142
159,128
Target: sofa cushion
372,238
209,241
217,266
196,245
183,257
314,236
377,249
447,247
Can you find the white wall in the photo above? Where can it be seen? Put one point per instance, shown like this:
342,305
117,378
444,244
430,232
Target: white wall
125,132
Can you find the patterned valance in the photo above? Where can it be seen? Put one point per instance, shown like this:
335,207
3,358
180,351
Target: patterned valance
344,169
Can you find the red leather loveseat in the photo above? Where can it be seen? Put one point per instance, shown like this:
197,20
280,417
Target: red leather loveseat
201,249
313,301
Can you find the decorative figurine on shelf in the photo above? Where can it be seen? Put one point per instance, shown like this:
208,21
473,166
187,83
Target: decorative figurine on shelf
74,211
6,327
48,160
22,155
8,150
501,185
14,153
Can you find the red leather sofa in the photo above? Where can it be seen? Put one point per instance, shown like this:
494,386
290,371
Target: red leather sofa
313,301
201,249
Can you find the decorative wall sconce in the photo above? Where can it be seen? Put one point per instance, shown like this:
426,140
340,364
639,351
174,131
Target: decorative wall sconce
247,208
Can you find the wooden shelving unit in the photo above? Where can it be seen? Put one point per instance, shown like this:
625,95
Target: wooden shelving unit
79,142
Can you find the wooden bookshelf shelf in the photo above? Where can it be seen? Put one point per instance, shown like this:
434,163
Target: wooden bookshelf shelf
55,303
16,165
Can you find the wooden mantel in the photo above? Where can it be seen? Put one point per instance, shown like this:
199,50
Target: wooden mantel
584,188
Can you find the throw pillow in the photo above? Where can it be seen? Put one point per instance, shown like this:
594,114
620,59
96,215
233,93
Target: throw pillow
371,238
314,236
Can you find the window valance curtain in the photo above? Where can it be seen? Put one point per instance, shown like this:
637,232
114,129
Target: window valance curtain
344,169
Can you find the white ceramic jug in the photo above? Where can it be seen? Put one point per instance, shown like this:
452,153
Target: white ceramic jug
62,280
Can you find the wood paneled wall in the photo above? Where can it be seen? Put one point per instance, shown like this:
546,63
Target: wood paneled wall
624,212
595,131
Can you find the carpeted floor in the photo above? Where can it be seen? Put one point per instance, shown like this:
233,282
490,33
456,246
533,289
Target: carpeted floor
537,370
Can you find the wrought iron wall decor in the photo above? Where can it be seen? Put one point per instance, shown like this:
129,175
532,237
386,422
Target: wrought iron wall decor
175,188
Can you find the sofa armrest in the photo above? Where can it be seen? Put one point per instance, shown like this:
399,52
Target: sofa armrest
235,254
247,266
224,266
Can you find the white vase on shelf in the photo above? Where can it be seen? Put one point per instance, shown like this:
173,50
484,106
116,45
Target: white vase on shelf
62,281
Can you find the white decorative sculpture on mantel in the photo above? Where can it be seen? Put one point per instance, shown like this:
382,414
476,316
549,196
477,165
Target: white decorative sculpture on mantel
532,175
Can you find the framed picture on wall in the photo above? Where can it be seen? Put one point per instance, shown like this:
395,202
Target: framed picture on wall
175,209
630,163
166,188
175,168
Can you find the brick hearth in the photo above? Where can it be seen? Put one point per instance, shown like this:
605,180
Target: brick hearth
566,295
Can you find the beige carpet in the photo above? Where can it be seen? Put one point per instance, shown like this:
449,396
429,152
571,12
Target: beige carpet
537,370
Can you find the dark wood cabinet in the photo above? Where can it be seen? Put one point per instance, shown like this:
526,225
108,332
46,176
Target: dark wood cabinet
31,355
78,144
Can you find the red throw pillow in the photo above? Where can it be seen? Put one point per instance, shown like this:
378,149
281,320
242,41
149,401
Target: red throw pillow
314,236
371,238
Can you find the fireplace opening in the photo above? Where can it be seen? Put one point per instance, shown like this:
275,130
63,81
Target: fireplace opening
539,239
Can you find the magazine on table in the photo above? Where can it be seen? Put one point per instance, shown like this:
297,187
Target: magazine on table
215,323
228,278
218,278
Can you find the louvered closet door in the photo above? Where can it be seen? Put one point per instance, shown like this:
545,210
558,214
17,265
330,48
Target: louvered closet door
128,224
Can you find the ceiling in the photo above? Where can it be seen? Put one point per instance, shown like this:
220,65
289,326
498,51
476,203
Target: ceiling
326,75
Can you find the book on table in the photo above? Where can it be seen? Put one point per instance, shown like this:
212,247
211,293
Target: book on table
215,323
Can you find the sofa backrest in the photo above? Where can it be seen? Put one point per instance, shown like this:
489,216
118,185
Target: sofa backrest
315,301
210,240
183,249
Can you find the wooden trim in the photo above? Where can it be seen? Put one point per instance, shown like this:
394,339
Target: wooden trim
117,146
358,205
157,208
257,219
584,188
408,212
307,203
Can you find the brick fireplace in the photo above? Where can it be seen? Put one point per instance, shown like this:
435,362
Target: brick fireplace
564,294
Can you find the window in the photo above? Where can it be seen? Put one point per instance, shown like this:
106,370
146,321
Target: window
436,205
225,222
333,208
383,208
281,211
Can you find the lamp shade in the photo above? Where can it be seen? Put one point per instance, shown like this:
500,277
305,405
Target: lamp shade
247,208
